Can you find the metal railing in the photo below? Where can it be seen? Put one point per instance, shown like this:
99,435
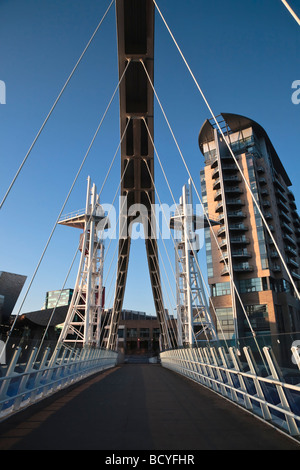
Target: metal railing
260,390
27,383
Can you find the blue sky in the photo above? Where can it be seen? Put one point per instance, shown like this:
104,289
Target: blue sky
245,56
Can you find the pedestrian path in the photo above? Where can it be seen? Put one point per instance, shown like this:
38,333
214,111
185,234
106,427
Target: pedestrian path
138,407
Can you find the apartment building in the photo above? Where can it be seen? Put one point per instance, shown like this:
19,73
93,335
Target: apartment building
250,288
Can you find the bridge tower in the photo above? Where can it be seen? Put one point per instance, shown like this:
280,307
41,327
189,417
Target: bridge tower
193,315
83,320
135,28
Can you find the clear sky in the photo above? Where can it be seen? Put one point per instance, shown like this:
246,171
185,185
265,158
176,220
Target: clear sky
245,56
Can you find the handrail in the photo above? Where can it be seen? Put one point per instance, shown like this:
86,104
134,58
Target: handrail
269,397
43,378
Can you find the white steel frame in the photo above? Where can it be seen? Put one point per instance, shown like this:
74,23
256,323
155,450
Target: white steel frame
83,320
192,305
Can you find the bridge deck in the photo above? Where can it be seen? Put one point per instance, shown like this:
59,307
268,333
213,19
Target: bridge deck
138,407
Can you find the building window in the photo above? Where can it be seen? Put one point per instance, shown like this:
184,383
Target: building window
144,333
225,323
258,317
210,271
221,288
156,333
121,333
257,284
131,332
258,219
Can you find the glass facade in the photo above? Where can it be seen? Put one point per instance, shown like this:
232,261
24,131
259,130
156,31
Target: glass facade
58,298
225,323
244,286
258,219
258,317
256,284
207,238
131,332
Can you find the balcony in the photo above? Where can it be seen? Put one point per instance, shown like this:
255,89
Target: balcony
217,184
223,243
296,221
223,256
276,268
238,227
225,271
236,214
236,254
233,215
286,227
290,250
215,173
290,195
219,207
278,184
292,262
214,163
262,181
240,240
228,179
218,195
284,216
235,202
229,167
241,254
221,230
244,267
289,239
233,190
264,193
280,195
295,275
260,169
282,205
228,156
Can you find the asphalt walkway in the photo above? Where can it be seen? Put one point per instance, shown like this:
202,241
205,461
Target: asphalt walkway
138,407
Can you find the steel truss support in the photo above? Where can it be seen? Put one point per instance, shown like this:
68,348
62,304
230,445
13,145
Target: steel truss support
83,320
193,316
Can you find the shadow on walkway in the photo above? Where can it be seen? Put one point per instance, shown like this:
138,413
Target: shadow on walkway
138,407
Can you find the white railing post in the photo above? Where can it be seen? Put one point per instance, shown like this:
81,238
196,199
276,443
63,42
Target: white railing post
24,379
277,375
9,375
238,367
254,371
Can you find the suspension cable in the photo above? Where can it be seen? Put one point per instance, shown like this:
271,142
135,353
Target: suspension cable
188,171
65,202
54,105
231,152
169,187
175,247
289,8
98,197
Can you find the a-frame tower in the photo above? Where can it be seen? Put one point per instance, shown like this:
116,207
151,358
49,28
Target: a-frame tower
135,28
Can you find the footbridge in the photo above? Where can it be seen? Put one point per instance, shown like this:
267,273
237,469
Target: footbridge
200,391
